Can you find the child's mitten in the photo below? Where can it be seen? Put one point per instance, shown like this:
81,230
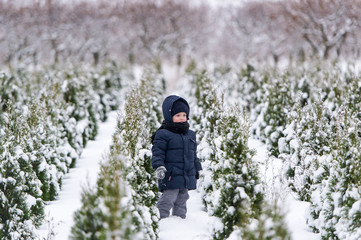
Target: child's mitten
160,172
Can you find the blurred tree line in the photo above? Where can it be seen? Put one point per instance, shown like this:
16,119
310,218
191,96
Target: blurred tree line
142,31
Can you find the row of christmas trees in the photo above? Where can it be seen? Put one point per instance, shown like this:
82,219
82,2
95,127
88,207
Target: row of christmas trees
231,184
309,117
122,203
320,148
47,116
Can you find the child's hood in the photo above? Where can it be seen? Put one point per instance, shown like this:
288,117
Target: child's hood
168,104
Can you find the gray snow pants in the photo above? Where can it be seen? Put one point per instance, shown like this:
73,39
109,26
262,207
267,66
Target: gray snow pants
173,198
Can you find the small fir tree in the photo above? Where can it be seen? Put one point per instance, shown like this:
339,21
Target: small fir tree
306,147
133,138
207,114
276,105
105,210
17,205
335,201
269,225
89,219
236,175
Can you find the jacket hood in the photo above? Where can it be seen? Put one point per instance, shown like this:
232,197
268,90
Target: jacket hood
168,104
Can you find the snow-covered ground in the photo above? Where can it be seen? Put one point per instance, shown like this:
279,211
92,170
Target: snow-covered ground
197,226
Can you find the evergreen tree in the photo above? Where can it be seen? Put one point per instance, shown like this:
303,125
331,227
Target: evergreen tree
105,210
249,89
269,225
207,114
89,219
240,192
16,202
306,147
206,99
41,145
335,201
9,92
140,119
275,107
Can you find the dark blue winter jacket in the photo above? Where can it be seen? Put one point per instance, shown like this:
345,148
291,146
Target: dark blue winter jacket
177,152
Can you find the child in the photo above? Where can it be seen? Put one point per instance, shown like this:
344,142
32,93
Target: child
174,158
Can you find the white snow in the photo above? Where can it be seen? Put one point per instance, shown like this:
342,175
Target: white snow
197,226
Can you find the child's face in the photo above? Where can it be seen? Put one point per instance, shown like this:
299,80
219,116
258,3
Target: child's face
179,117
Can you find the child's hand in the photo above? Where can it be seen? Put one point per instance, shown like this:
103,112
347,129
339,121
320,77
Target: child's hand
160,172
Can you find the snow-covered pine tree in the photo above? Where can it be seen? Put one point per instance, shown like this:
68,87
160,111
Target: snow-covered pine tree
105,212
9,91
249,89
108,82
346,182
227,79
15,215
79,102
238,189
213,121
335,201
89,222
276,104
140,120
353,94
269,225
306,147
206,99
206,114
40,144
20,203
